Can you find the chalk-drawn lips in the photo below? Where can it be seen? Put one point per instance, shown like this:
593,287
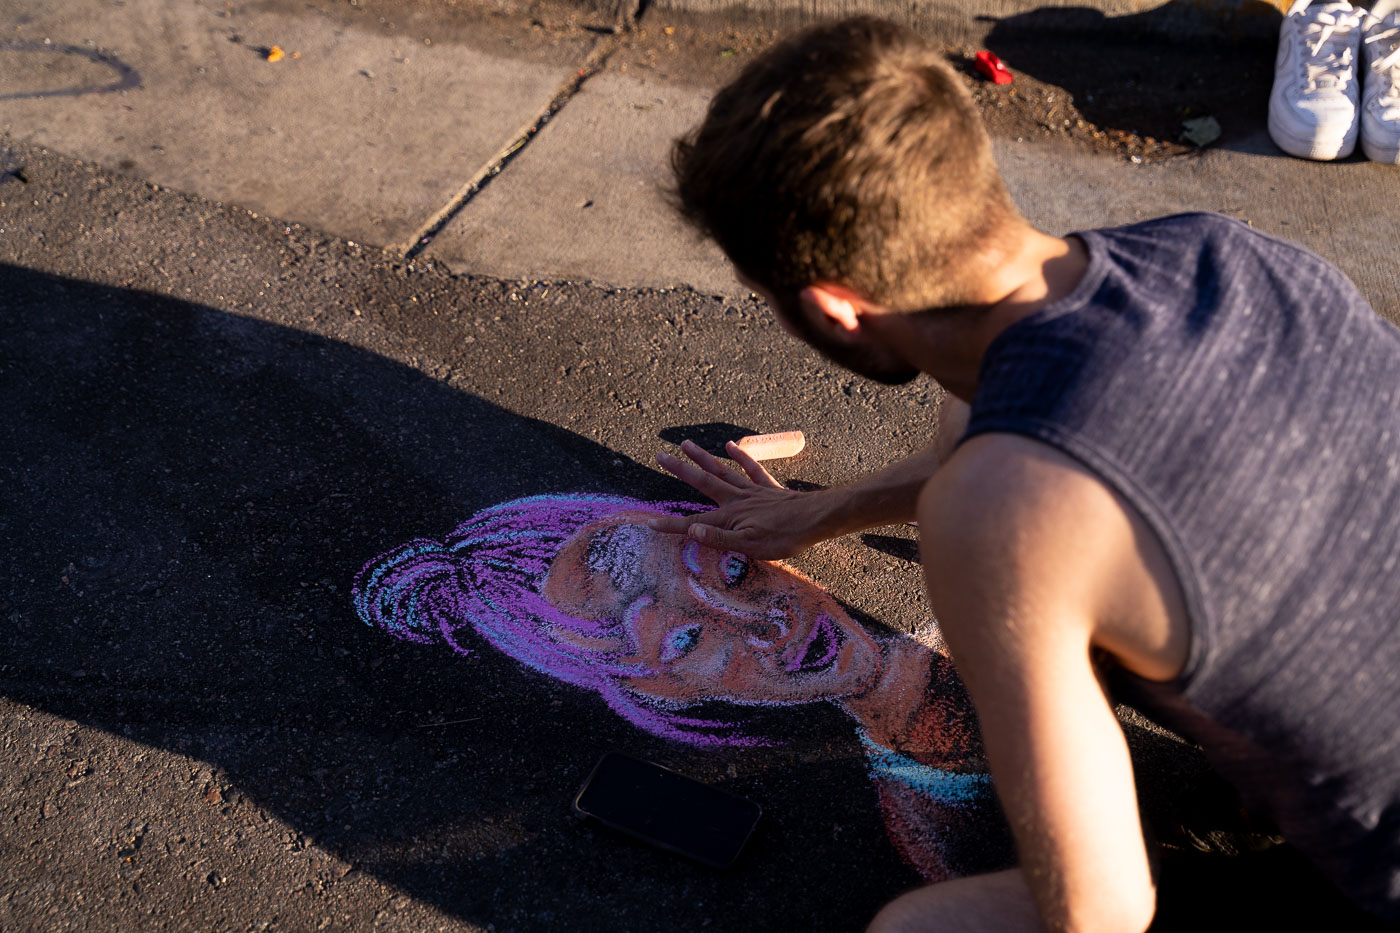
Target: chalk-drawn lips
821,647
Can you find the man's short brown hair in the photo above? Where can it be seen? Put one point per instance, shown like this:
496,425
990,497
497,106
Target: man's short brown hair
852,154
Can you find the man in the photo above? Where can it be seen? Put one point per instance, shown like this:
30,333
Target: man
1177,463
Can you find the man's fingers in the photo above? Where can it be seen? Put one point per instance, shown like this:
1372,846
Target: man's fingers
701,526
708,529
722,538
672,524
752,467
710,463
702,480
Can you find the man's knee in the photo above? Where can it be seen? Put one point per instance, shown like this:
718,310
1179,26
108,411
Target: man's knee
916,910
999,901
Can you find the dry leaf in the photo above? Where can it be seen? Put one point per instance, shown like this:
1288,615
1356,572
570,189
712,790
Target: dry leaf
1201,131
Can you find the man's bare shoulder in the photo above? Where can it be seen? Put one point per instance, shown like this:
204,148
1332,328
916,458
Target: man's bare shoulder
1008,481
1022,528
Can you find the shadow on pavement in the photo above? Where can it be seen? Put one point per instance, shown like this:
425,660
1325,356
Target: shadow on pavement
189,494
711,436
905,549
1130,73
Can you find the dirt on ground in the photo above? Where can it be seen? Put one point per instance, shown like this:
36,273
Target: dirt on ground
1113,94
1110,86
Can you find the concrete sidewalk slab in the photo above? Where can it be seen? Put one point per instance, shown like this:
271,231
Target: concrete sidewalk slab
586,199
361,134
367,135
1345,211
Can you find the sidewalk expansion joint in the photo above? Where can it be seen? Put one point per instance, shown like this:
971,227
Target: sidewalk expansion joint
592,64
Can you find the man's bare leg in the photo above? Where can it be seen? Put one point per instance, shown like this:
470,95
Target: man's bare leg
998,902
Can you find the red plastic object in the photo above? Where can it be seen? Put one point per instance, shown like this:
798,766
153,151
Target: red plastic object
991,66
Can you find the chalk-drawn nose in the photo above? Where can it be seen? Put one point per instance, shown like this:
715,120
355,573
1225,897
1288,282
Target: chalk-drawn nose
766,631
759,628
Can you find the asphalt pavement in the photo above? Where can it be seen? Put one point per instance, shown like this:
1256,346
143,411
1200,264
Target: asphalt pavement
263,320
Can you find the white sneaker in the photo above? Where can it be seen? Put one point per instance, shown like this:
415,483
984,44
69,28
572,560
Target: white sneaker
1380,108
1316,98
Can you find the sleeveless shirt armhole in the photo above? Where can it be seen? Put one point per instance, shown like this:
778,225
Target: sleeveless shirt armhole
1202,636
1084,289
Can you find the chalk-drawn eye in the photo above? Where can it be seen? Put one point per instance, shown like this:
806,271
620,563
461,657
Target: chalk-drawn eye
679,642
735,567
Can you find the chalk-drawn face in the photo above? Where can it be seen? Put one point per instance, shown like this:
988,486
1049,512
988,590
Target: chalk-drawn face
708,624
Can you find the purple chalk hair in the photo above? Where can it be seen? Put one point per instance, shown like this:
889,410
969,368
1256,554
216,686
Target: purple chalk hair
487,577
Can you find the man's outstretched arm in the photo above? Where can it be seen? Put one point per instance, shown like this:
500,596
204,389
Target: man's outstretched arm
1015,549
758,516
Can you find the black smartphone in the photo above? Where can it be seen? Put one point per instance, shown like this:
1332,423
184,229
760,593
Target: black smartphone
668,809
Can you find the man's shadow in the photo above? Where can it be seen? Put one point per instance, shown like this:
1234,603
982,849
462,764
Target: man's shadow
1148,72
188,495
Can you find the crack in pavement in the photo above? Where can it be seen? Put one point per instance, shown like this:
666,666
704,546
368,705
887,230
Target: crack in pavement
592,64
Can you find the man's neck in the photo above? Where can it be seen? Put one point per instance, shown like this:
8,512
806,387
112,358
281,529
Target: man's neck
1035,272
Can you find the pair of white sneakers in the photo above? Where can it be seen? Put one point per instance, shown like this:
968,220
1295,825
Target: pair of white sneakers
1319,104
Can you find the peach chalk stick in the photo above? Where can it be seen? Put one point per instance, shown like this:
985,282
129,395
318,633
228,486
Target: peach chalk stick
773,446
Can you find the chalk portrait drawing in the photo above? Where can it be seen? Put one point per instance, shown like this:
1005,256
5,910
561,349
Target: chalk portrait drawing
579,588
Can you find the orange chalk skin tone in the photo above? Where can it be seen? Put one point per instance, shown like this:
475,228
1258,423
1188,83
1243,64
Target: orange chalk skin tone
773,446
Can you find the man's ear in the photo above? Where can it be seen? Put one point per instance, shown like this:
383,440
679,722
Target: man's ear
835,310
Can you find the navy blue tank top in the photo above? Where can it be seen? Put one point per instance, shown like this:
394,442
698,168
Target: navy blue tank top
1242,396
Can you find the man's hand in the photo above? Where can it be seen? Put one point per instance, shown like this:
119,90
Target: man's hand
757,515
